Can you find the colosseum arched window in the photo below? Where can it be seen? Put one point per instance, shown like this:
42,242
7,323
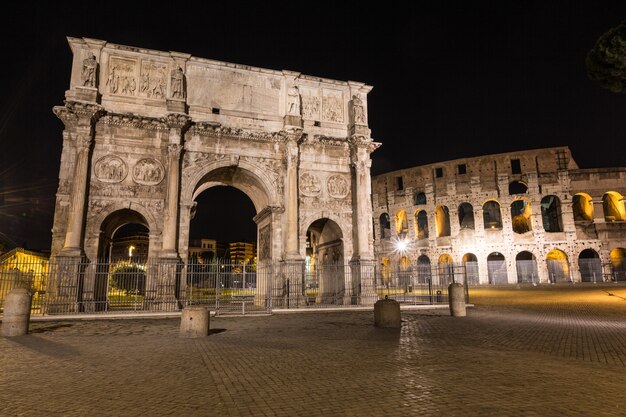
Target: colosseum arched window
402,226
445,269
526,266
442,221
618,264
421,224
470,262
590,266
419,198
551,214
582,207
466,216
521,216
492,217
496,268
385,226
558,266
613,205
517,187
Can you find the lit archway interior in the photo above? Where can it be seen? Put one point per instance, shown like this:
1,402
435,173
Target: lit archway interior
442,221
618,264
123,248
492,217
402,226
613,205
521,216
325,260
445,269
582,207
423,269
558,266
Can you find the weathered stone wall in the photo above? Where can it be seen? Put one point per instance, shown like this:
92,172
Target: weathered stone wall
545,172
147,131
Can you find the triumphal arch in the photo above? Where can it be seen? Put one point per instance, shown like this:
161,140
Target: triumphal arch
147,131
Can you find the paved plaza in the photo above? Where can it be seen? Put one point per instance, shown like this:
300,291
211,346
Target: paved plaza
532,351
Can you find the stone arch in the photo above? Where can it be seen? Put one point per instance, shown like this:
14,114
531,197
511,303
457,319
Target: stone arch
551,214
589,266
421,224
108,285
582,207
518,187
470,262
496,268
521,216
466,216
252,179
106,223
558,266
613,206
402,225
618,264
442,221
526,266
492,216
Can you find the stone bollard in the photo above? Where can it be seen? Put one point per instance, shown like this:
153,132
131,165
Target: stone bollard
456,298
387,313
16,312
194,322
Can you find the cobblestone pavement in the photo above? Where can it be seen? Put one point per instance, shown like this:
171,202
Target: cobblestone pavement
534,351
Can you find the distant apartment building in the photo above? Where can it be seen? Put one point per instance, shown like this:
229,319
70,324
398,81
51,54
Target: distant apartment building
205,250
242,252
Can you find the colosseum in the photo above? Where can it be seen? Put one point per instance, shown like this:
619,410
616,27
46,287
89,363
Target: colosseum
531,216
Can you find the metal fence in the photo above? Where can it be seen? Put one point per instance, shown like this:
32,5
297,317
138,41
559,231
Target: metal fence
67,286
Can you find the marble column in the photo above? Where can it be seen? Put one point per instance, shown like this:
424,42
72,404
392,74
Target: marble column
171,205
178,124
291,200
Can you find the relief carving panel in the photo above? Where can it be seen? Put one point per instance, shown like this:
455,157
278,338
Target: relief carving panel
148,171
110,168
152,77
311,104
337,186
332,106
310,185
121,78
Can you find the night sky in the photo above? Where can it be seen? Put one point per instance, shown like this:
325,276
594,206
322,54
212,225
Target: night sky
480,77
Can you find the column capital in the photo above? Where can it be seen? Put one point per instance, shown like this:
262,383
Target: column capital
174,149
76,114
178,121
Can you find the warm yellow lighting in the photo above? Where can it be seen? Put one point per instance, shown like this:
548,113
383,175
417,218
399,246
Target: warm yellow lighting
131,248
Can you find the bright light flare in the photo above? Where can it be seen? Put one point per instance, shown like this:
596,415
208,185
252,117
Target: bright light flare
400,245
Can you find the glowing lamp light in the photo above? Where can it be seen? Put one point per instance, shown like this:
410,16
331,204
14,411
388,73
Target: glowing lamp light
401,245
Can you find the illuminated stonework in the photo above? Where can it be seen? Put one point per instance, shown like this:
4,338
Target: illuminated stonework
152,130
530,216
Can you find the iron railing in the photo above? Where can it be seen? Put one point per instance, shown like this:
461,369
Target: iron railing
69,286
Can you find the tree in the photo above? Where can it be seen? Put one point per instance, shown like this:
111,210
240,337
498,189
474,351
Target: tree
606,62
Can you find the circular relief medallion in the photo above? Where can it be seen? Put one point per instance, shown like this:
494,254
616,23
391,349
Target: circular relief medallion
110,168
337,186
310,185
148,171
